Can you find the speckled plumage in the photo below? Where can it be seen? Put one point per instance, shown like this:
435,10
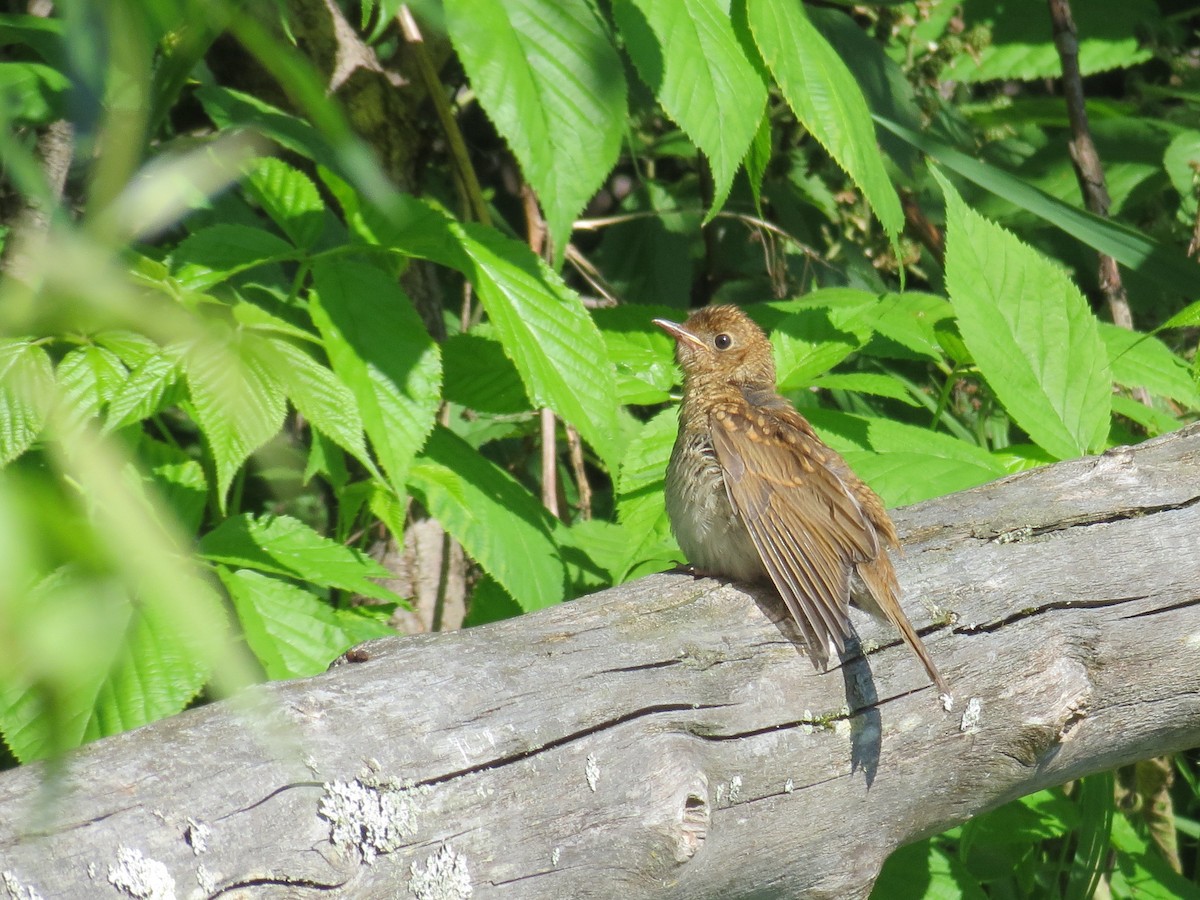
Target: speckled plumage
754,494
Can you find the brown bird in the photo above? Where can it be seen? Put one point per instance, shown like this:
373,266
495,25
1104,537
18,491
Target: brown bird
752,492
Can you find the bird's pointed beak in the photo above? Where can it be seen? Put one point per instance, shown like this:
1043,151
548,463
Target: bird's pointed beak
677,331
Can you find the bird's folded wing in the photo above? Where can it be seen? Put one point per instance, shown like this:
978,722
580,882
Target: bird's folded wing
804,519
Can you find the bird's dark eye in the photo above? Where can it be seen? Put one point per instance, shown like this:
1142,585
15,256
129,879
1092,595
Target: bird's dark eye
722,342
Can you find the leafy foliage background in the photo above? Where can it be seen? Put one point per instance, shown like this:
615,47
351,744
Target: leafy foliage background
267,325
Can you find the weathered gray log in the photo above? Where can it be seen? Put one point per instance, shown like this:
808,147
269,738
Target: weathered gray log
667,738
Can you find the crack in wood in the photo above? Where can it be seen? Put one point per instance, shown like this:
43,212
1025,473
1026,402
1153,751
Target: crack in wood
521,755
1159,610
1026,532
1053,606
278,881
641,667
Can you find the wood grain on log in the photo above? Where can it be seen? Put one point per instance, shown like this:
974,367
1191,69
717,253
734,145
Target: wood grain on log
667,738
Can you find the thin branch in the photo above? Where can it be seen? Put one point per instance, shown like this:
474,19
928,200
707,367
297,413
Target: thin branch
575,450
535,234
1088,169
458,146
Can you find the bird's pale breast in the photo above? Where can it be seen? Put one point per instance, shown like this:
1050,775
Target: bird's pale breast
709,532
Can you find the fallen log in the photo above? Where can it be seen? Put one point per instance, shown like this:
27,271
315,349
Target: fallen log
667,738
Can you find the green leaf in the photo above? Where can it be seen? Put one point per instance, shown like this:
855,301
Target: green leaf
1180,161
1141,360
289,198
281,545
490,603
327,404
825,96
909,320
808,344
1164,265
925,871
1155,421
89,662
88,377
239,404
293,633
689,55
216,253
379,348
548,77
867,383
499,523
132,348
32,92
178,479
231,109
1189,315
643,355
26,391
758,157
146,391
1021,44
903,463
481,378
548,335
641,505
1030,331
1097,807
1141,871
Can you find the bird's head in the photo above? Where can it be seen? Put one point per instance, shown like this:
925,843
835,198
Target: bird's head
722,344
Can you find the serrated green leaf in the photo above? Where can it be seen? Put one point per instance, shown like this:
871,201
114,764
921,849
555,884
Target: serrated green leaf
239,404
547,334
289,197
1141,360
825,96
133,348
26,391
1189,315
146,391
379,348
327,404
758,157
641,504
282,545
689,55
292,633
88,377
499,523
218,252
1030,331
548,77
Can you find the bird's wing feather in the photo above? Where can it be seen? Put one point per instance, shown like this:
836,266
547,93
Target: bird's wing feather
805,520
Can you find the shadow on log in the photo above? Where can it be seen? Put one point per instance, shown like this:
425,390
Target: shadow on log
666,738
